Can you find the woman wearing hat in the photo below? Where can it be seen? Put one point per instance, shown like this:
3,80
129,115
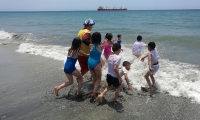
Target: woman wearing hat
84,35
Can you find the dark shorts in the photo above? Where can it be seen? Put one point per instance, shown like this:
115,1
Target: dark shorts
112,81
83,62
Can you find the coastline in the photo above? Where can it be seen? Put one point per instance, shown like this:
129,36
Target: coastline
27,83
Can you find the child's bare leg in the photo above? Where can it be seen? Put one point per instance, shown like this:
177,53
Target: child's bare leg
97,72
102,62
100,96
93,77
117,93
152,79
93,82
57,88
148,81
79,79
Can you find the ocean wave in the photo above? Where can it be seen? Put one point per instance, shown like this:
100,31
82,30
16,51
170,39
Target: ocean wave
16,38
50,51
176,78
5,35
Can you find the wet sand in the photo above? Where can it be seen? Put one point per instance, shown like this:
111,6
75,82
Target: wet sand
26,92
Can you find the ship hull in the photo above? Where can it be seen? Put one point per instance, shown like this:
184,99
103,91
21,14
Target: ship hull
111,9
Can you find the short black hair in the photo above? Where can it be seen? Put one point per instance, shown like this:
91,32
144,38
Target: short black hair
96,38
152,45
139,38
125,63
116,47
109,36
119,35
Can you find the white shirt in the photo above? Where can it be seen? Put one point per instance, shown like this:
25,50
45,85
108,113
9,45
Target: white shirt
123,71
155,56
137,47
113,60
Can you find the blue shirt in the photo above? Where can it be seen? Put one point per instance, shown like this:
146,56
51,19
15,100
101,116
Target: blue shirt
119,41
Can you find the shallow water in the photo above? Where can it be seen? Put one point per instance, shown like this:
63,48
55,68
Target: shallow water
176,33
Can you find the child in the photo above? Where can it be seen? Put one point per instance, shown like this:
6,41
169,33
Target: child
69,67
113,77
152,63
123,71
137,46
107,45
94,62
119,39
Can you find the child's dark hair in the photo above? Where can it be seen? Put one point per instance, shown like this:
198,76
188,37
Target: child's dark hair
109,36
76,44
152,45
96,38
125,63
139,38
119,35
116,47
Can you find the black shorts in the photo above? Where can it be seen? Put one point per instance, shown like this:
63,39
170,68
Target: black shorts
112,81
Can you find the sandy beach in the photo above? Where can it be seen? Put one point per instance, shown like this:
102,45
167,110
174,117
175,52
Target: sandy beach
26,92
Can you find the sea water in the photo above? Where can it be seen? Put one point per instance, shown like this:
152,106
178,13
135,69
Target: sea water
175,32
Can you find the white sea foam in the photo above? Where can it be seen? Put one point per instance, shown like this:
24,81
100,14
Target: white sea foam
177,79
50,51
5,35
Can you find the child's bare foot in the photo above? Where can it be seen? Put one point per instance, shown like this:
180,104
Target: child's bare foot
105,85
100,98
97,93
56,91
93,96
150,89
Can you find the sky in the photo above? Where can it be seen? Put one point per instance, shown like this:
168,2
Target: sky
76,5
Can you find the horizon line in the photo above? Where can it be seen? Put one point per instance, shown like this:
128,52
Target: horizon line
90,10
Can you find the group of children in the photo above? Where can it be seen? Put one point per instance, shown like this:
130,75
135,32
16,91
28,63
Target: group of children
111,53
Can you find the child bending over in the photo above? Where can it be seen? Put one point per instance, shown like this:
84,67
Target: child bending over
124,71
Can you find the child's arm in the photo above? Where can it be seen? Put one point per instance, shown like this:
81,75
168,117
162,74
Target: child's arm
101,46
117,73
86,39
113,41
120,67
83,54
127,81
90,47
142,59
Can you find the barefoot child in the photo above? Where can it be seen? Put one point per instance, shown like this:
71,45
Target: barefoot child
94,62
123,71
113,77
119,36
108,43
69,67
152,63
137,46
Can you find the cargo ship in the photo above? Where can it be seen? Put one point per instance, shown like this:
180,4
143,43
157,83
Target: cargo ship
110,9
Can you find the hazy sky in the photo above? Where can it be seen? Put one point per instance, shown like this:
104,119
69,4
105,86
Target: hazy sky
67,5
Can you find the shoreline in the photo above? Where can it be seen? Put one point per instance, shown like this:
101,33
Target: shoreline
27,83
